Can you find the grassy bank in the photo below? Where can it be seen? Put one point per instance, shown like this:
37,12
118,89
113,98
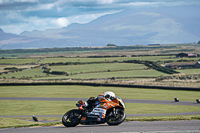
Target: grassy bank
74,91
165,118
17,123
18,107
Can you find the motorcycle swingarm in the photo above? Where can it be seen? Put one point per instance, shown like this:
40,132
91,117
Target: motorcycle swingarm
92,120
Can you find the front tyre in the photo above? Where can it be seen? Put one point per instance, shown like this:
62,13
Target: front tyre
115,117
71,118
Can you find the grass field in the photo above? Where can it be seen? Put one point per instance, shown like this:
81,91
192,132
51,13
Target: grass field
84,59
12,122
58,107
190,71
108,68
161,59
103,59
2,67
26,73
97,67
99,75
101,70
19,107
88,71
74,91
19,61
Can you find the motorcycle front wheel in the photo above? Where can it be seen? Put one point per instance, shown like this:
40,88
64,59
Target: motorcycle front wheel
115,117
71,118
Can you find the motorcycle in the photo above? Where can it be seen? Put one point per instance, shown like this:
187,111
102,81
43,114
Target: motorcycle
108,111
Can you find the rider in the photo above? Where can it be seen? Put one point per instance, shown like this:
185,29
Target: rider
93,102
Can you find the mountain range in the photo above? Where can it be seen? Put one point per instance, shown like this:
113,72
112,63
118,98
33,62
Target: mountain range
168,25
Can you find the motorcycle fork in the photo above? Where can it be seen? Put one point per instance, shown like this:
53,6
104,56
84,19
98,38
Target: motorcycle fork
114,113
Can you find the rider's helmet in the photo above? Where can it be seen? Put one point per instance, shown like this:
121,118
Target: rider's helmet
109,94
100,96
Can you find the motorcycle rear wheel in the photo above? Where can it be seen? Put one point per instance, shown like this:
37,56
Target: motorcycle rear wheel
116,119
71,118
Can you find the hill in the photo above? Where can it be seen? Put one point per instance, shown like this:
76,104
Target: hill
129,27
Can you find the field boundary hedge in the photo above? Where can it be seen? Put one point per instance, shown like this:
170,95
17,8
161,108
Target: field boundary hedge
153,65
108,85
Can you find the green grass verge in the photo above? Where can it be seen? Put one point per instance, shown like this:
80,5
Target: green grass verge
75,91
11,122
164,118
17,123
20,108
23,107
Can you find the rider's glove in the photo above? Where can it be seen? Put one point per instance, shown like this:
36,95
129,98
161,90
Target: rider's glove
81,102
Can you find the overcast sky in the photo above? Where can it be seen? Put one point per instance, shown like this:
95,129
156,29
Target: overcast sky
17,16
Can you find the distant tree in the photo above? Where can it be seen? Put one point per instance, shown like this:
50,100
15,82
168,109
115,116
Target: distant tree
198,42
11,68
111,44
46,70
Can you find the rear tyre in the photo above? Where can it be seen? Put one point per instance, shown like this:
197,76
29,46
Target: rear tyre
115,117
71,118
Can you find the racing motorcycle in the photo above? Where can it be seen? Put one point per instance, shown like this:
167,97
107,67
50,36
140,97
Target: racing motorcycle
109,111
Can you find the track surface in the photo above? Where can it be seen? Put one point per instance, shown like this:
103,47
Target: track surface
153,127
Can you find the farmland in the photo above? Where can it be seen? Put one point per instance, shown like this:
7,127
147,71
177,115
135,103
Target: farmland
104,68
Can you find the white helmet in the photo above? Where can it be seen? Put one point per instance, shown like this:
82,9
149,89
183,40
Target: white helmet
109,94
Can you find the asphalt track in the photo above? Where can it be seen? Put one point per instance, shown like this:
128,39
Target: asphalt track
125,127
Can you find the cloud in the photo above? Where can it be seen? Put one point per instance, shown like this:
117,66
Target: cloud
105,1
139,3
46,6
61,22
8,18
34,23
15,1
37,23
44,14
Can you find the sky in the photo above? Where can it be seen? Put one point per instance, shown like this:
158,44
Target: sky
17,16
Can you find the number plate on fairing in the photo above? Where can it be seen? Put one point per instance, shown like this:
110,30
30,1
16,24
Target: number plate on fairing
98,111
83,118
